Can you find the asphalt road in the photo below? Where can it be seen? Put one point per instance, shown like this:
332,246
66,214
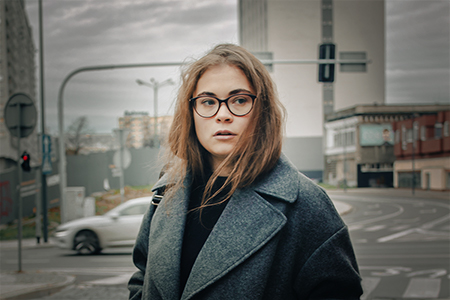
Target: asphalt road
402,246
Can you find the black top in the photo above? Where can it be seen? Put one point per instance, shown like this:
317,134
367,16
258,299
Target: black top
197,229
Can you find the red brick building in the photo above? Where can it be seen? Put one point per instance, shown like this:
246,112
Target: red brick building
422,149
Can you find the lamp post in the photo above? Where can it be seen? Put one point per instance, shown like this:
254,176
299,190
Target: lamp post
155,85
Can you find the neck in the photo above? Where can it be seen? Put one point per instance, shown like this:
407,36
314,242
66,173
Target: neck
215,164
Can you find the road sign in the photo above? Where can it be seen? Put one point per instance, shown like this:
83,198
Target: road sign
126,158
20,112
46,154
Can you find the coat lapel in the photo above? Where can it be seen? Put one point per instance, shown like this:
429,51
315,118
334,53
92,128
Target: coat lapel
247,223
165,242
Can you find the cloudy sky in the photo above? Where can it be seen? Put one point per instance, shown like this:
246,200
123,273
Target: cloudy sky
80,33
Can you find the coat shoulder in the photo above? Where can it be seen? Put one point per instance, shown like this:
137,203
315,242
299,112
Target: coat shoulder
307,200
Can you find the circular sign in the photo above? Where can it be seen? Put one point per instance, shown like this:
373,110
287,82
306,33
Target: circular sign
20,115
126,159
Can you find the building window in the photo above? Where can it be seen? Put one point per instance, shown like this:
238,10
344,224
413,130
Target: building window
446,129
423,133
409,135
397,136
438,130
405,179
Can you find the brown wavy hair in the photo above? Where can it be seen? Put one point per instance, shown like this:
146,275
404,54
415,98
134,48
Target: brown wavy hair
258,149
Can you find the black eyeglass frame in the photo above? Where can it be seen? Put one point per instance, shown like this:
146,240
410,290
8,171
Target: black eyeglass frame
253,97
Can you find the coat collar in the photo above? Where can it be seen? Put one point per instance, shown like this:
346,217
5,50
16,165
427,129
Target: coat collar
281,182
247,212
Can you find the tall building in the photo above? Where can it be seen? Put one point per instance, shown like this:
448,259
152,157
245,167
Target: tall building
294,30
17,75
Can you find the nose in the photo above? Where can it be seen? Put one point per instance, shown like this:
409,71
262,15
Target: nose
224,115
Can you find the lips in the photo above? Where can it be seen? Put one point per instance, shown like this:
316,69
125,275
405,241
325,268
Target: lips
224,134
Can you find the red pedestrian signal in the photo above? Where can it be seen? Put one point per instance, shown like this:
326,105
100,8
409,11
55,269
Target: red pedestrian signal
26,162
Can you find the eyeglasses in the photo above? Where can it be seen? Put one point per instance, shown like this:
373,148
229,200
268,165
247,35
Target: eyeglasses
208,106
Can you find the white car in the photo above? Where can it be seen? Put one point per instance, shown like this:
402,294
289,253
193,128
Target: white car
117,228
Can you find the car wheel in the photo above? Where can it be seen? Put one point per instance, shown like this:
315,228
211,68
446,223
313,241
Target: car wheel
86,242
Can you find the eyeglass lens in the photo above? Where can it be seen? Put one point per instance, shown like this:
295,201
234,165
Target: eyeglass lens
208,106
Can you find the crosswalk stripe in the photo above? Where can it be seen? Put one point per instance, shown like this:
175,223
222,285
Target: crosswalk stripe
423,288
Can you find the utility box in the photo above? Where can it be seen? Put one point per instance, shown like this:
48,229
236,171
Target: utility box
73,208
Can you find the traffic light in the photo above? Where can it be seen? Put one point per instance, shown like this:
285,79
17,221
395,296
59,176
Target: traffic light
326,71
26,162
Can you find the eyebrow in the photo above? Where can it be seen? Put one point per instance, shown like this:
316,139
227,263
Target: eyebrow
233,92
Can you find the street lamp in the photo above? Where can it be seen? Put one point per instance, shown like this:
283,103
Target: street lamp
155,85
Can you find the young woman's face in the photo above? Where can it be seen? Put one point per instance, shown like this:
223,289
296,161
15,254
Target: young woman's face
220,133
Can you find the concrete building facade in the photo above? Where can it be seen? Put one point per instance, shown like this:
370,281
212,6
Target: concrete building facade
294,30
17,75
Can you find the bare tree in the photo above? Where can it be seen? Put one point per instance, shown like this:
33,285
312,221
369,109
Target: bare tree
78,135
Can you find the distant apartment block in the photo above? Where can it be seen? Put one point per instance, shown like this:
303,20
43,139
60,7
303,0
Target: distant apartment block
422,150
17,75
141,128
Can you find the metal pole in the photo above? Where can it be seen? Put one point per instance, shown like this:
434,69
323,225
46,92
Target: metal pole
345,159
412,158
43,176
38,208
122,179
19,176
155,104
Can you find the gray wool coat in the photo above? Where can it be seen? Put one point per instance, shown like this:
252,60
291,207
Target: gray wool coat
280,238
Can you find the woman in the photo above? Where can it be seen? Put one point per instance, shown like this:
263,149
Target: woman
237,220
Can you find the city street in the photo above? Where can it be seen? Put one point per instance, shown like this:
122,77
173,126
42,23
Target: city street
401,243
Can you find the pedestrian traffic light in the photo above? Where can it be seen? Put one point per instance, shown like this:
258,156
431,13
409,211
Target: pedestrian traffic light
326,71
26,162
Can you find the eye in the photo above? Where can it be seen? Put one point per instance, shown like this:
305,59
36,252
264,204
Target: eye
207,101
240,100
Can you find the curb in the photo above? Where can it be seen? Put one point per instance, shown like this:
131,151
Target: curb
38,291
28,243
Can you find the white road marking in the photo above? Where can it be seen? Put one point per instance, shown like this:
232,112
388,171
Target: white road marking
434,273
398,228
368,285
115,280
375,228
423,288
431,224
387,271
396,235
355,227
420,229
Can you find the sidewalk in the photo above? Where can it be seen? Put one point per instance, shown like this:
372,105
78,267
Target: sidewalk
30,285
